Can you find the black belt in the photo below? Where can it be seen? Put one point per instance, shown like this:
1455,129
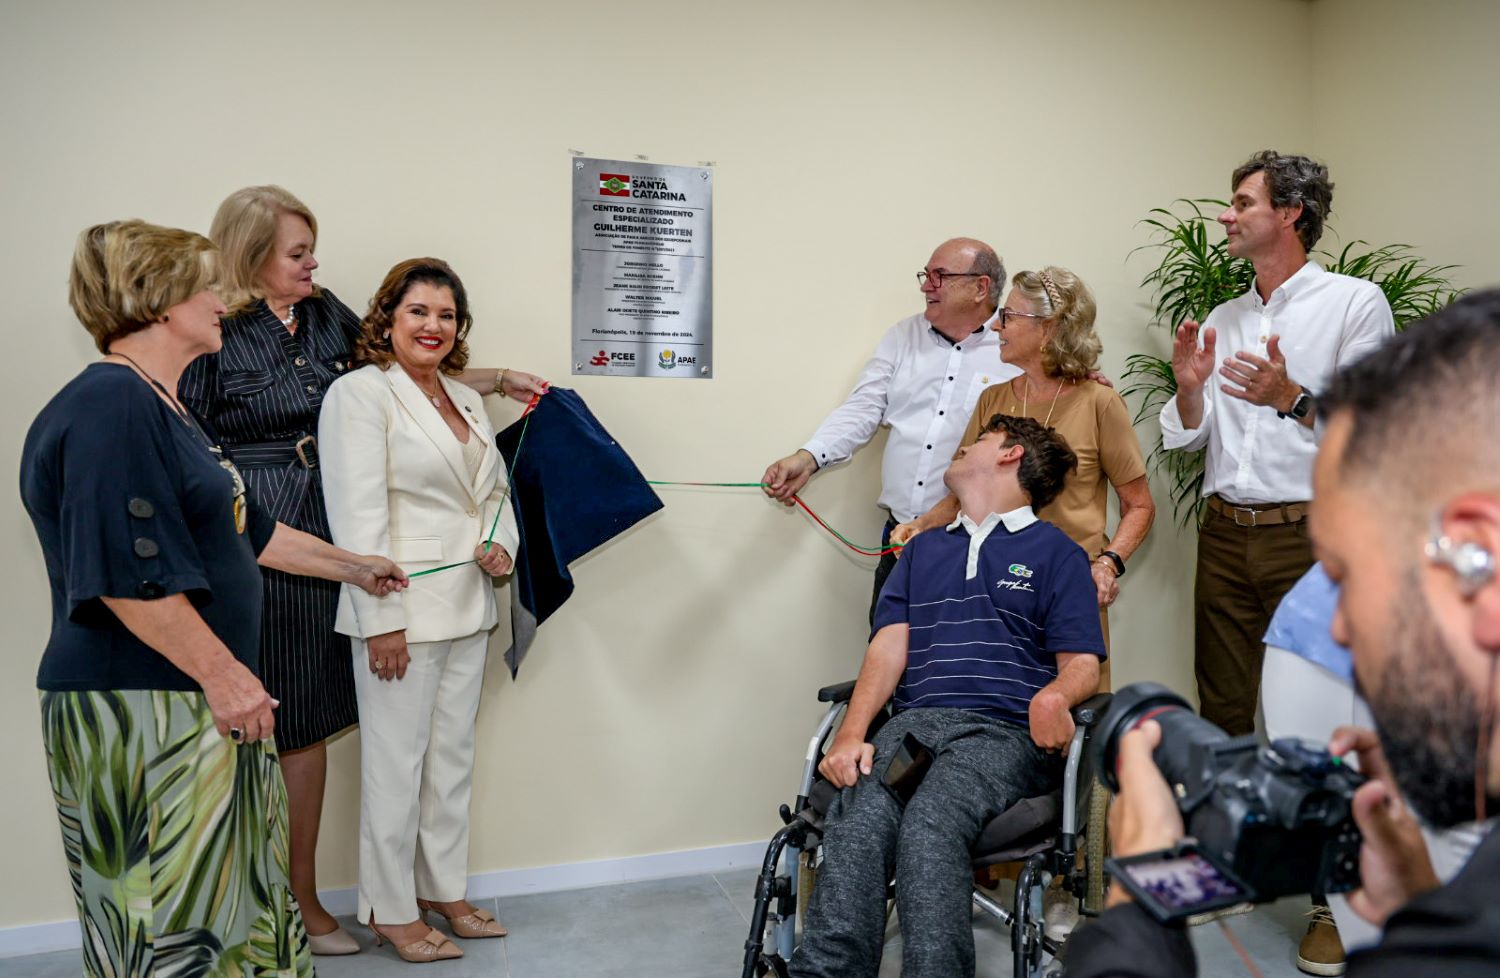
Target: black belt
269,454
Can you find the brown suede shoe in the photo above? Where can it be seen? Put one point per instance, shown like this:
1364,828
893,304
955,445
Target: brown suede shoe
1321,951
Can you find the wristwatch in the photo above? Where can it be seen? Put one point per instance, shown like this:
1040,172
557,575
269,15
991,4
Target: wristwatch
1116,560
1304,405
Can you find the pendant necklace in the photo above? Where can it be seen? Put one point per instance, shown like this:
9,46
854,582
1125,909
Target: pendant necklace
1026,399
436,399
186,417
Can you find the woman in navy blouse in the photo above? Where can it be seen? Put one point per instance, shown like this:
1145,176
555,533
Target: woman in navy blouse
158,731
285,341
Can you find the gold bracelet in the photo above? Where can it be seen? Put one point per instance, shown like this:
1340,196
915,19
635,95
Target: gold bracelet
500,381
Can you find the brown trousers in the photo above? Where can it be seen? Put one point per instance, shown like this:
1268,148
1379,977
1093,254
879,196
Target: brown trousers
1243,573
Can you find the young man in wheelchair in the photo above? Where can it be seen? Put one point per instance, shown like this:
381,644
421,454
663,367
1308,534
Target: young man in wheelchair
985,635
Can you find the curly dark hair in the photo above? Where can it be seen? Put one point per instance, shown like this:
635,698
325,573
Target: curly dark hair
374,342
1293,180
1046,461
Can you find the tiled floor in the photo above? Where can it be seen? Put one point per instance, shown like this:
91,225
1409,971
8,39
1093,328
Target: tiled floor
695,927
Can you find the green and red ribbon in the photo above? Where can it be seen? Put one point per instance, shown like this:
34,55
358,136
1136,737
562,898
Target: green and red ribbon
526,422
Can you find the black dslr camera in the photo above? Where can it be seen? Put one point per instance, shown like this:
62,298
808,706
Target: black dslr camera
1262,822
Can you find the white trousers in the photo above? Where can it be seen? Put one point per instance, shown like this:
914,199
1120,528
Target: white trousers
416,773
1302,699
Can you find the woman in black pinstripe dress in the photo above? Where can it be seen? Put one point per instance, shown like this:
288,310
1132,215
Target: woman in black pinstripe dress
285,341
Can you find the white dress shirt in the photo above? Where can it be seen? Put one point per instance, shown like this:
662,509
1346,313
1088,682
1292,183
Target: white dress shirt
924,387
1325,321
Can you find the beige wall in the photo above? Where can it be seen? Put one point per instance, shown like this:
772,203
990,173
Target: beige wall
1406,102
665,706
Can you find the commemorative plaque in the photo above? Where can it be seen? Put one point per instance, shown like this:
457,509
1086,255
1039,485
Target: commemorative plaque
642,269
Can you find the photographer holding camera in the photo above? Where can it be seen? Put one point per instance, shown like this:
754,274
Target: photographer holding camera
1407,520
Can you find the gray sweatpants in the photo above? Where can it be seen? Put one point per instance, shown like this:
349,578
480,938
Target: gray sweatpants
980,768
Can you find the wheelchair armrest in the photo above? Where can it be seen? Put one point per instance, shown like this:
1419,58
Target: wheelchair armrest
837,693
1091,710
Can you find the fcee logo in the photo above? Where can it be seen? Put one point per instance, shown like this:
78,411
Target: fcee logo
614,185
666,360
599,359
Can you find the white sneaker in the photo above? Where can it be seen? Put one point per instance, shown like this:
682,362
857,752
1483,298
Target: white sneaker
1059,913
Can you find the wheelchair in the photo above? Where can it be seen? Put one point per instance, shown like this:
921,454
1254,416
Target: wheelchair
1055,836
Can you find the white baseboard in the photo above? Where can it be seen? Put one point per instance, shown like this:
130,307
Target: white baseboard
59,935
62,935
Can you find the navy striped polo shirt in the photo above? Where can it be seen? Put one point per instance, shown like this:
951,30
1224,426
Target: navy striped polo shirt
989,608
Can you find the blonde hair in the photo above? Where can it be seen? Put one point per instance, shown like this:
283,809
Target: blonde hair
1072,349
127,274
244,228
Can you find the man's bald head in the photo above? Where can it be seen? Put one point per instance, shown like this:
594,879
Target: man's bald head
982,260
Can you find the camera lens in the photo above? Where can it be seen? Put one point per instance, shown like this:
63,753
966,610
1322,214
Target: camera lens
1181,730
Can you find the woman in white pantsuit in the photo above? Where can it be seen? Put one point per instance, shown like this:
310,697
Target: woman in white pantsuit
410,469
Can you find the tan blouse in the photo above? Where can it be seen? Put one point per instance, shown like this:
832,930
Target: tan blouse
1094,420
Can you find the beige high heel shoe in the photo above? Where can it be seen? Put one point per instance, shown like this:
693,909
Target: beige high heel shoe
338,941
433,947
480,923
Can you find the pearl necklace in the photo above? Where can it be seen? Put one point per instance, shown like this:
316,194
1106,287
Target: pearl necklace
1026,398
291,316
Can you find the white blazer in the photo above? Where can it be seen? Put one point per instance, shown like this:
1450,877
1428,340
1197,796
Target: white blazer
395,482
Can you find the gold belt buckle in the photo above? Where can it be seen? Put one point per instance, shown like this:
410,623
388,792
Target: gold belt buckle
300,449
1244,509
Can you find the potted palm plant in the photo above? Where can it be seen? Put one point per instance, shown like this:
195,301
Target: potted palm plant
1194,272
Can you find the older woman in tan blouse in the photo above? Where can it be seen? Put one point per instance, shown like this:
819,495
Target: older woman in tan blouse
1047,329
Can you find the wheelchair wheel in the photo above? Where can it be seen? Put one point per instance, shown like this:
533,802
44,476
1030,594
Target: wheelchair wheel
1096,842
807,878
1026,925
771,967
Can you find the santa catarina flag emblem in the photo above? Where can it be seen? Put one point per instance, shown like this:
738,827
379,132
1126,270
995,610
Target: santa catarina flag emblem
614,185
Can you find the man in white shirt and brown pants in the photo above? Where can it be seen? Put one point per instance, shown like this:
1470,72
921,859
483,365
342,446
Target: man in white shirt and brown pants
1256,413
923,381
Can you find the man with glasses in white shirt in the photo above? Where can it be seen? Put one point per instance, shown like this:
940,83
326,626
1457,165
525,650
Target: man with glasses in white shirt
923,381
1256,413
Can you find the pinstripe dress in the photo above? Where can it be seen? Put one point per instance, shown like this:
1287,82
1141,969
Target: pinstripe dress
261,394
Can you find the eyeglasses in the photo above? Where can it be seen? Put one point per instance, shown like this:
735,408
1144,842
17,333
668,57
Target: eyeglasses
1006,314
937,275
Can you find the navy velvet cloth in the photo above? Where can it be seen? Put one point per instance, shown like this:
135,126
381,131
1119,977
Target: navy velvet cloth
573,489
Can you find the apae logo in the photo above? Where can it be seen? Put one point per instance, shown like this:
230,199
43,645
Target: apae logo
666,360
